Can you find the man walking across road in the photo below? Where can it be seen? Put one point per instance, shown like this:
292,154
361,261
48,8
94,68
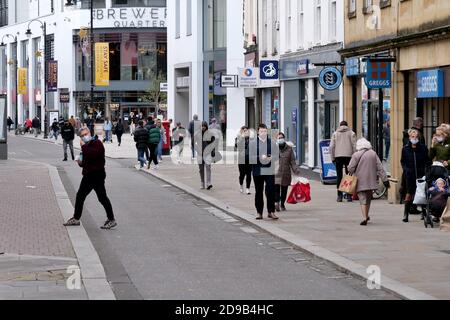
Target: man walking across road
92,160
68,135
342,148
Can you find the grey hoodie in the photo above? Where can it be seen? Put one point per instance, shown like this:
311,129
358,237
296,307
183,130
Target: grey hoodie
343,143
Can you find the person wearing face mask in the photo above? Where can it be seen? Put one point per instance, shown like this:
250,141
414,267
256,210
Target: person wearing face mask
283,178
415,161
245,169
68,135
440,147
92,160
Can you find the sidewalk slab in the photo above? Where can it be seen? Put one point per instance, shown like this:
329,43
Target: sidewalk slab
412,259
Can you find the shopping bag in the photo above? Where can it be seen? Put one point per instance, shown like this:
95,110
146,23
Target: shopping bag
300,193
348,184
421,192
445,219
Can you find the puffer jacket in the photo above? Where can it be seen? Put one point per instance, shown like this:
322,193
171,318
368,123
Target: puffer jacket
441,152
141,138
154,134
343,143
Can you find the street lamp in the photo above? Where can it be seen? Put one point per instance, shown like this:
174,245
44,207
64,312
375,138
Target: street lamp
2,46
71,3
28,34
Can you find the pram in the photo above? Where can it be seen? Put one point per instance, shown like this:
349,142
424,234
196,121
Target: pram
436,201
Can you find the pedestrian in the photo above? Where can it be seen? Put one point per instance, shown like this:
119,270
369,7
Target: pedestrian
194,127
141,139
214,125
418,126
154,137
387,138
342,148
28,125
119,131
206,155
367,167
68,135
172,126
262,154
107,128
415,160
245,168
55,129
283,178
440,147
78,126
9,123
73,122
90,122
36,124
178,141
162,140
92,160
132,123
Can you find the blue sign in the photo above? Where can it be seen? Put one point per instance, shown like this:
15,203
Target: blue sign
379,75
302,67
430,84
329,172
352,67
330,78
269,70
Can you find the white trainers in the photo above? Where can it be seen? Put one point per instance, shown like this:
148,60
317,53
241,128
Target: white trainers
241,189
248,191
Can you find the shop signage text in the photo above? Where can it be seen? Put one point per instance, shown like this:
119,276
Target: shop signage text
352,67
52,77
379,75
22,81
330,78
229,81
131,18
102,64
248,77
164,87
430,84
64,97
302,67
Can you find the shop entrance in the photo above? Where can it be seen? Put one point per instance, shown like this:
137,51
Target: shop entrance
331,118
251,121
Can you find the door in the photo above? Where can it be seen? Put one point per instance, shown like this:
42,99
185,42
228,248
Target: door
251,121
331,119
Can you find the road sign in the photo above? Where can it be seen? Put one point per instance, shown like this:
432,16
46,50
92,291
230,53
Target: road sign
330,78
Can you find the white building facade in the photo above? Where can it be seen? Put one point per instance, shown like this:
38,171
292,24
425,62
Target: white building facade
205,39
134,29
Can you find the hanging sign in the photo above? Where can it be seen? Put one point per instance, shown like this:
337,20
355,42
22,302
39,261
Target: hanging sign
330,78
379,75
102,64
52,76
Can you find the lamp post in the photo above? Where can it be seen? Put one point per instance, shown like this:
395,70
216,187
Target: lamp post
44,31
3,45
70,3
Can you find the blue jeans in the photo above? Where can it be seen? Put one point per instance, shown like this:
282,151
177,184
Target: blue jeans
107,136
160,148
141,157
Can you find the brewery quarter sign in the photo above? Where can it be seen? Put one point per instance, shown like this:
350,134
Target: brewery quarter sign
155,17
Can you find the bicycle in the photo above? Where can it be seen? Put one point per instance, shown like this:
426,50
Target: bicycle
380,192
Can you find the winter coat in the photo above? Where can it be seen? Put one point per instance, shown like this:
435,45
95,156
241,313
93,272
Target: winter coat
368,170
178,135
141,138
36,123
259,148
202,141
119,129
413,158
286,166
107,126
55,126
68,132
154,134
441,152
343,143
93,158
9,122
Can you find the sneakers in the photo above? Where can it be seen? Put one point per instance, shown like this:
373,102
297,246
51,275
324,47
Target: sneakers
259,216
277,207
273,216
72,223
283,208
209,187
241,189
110,224
248,192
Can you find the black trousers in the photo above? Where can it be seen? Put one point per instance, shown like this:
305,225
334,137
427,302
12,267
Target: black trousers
153,153
119,138
94,182
269,182
341,163
245,173
281,194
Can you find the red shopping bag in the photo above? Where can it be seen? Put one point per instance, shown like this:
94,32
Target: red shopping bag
300,193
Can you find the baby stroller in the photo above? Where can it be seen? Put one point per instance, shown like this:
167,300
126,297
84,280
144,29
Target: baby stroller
436,199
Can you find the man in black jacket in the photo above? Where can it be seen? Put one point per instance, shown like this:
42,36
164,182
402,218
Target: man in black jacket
68,135
141,139
36,124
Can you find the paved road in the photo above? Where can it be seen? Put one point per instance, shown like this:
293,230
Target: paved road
170,245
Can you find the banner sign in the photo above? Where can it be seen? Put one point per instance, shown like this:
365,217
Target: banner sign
329,172
102,64
22,80
64,97
379,75
52,76
430,84
145,17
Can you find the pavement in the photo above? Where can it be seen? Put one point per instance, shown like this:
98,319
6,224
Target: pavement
38,256
414,261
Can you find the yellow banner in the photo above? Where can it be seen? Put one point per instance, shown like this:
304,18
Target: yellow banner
22,81
102,64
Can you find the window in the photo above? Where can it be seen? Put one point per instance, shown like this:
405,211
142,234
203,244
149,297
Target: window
318,22
300,24
351,9
265,31
3,13
368,6
215,24
333,21
138,3
25,60
3,72
189,17
275,27
289,25
177,18
86,4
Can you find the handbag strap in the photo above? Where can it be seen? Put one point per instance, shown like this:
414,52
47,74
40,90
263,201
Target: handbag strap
415,165
357,165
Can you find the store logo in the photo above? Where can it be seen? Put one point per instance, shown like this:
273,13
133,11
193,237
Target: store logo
248,72
330,78
269,70
379,75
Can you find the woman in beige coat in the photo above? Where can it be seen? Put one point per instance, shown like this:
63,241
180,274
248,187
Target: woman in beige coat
367,167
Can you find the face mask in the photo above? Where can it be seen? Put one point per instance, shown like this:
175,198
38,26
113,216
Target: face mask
414,141
281,142
87,139
440,139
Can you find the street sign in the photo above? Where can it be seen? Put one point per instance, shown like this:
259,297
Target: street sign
379,75
229,81
330,78
430,84
248,77
164,87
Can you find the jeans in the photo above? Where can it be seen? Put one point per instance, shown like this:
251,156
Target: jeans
341,163
281,194
96,182
108,136
269,182
202,168
160,149
245,171
55,134
70,144
141,157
